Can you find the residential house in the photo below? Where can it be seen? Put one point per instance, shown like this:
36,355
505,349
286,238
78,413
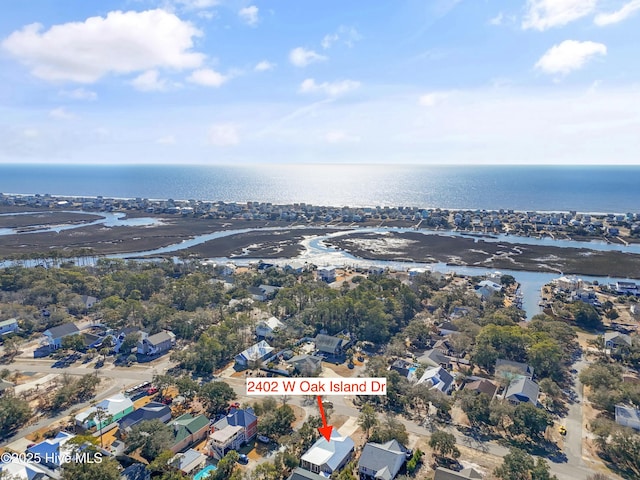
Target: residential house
53,336
404,368
266,328
628,417
150,411
20,469
120,335
105,413
187,430
626,288
189,461
302,474
52,452
327,457
327,274
616,340
156,344
435,358
255,355
306,365
569,283
137,471
233,431
486,288
447,328
505,367
381,461
466,474
437,378
329,345
88,301
482,386
522,389
9,326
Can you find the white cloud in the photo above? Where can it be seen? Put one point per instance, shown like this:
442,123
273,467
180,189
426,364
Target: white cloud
301,57
197,4
431,99
264,65
568,56
149,81
544,14
61,113
497,20
31,132
120,43
166,140
207,14
345,34
79,94
207,77
331,89
339,136
329,40
623,13
223,135
249,15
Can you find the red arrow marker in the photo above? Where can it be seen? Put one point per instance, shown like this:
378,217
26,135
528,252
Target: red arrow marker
325,430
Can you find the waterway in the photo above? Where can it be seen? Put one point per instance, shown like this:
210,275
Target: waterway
317,252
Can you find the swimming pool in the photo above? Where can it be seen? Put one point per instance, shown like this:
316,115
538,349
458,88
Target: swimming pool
204,472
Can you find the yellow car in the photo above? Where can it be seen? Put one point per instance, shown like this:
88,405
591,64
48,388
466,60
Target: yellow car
562,430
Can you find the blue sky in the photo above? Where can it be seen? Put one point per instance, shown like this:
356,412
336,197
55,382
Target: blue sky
385,81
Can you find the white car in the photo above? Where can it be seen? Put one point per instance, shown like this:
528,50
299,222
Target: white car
263,439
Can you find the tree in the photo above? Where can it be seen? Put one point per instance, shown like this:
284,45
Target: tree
516,465
529,420
104,469
444,444
585,315
225,467
11,346
390,429
14,412
152,437
216,396
277,423
477,406
73,342
367,418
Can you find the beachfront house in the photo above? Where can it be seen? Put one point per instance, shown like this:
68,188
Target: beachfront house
327,457
381,461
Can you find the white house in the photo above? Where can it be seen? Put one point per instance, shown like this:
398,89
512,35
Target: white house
327,274
260,352
266,328
327,457
628,417
8,326
437,378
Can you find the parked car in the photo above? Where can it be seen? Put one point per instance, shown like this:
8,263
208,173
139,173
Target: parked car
243,459
152,390
263,439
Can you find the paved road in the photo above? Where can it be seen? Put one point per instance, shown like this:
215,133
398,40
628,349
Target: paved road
573,469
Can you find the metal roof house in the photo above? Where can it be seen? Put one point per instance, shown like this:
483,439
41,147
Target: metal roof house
8,326
105,413
329,344
327,457
187,430
231,432
53,451
252,356
381,461
438,378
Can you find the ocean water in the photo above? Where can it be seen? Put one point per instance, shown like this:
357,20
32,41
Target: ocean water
543,188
